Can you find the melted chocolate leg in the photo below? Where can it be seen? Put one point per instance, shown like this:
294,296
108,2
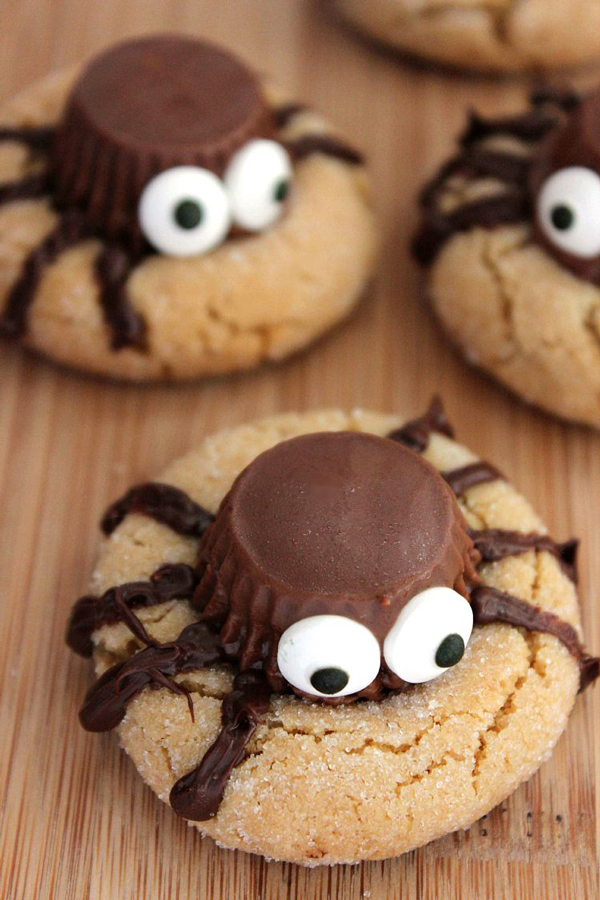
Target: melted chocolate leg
416,433
127,327
176,581
565,98
71,229
529,127
106,702
25,188
490,212
495,543
283,115
491,605
325,144
34,138
162,502
476,162
198,794
460,480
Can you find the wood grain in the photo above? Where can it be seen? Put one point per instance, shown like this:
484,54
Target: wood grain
76,821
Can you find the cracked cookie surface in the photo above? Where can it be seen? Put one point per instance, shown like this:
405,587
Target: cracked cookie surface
251,300
485,35
328,784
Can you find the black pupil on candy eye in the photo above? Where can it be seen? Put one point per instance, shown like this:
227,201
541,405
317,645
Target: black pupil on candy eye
281,190
562,217
329,681
188,214
450,651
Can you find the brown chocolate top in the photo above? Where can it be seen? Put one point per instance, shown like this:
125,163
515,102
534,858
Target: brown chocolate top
341,523
167,93
145,106
344,514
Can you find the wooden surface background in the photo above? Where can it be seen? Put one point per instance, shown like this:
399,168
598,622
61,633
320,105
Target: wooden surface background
75,820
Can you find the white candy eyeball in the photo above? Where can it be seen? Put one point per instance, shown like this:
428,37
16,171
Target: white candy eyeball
258,181
429,636
568,210
184,211
328,656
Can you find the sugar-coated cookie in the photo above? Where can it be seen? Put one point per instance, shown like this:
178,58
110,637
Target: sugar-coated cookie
499,36
165,214
509,241
327,638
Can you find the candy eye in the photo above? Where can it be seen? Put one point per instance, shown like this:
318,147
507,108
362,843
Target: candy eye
429,636
184,211
568,210
328,656
258,180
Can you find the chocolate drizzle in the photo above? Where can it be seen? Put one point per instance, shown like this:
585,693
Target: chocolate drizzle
71,229
460,480
309,144
36,138
197,796
494,544
476,162
416,434
106,702
283,115
127,327
162,502
491,605
489,212
561,97
169,582
27,188
531,127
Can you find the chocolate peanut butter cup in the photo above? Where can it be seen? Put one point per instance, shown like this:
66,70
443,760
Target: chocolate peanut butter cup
341,524
146,106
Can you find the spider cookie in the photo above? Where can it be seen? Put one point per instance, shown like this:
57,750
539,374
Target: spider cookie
510,243
333,607
501,36
164,214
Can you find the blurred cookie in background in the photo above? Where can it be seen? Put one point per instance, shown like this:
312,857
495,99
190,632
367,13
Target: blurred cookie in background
499,36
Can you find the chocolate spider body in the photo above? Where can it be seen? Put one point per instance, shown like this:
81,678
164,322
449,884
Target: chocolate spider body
167,145
324,540
564,186
555,185
338,566
555,133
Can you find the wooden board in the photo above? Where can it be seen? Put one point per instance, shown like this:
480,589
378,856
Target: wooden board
76,821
